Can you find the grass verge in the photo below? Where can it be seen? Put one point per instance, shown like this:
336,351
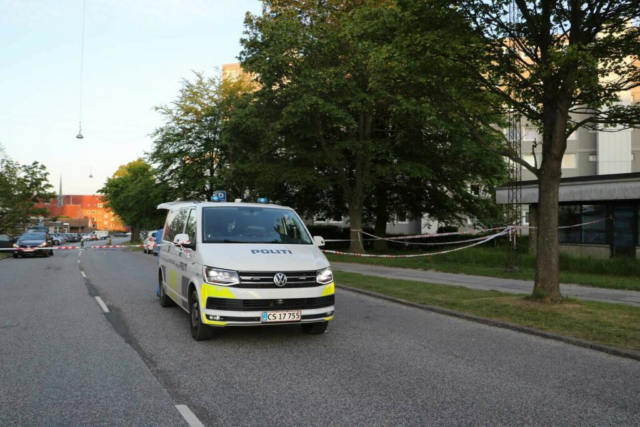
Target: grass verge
600,273
4,255
613,325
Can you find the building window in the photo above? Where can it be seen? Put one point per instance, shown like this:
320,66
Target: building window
526,218
99,205
531,134
569,161
593,157
568,216
402,218
93,212
595,234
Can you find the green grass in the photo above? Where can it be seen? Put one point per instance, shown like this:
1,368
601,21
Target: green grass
490,261
4,255
614,325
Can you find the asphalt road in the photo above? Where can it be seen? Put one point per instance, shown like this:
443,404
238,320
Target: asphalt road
66,362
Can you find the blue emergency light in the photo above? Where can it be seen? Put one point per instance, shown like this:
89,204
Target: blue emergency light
215,198
262,200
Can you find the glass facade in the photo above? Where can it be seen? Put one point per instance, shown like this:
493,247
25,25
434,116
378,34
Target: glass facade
591,234
613,224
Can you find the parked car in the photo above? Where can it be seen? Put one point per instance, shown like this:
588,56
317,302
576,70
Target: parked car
6,241
57,239
31,244
150,241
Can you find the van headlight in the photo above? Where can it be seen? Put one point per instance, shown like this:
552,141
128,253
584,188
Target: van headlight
217,276
324,276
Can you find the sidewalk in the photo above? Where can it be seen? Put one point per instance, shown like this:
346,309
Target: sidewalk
488,283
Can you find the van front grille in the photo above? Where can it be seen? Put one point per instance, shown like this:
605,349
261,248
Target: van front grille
264,280
269,304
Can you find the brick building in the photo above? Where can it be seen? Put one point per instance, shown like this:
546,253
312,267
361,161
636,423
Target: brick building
83,213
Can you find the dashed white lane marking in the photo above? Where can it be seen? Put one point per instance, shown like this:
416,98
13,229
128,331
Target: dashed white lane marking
79,254
83,275
102,304
78,261
189,416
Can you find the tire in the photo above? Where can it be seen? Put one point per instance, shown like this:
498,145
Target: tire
199,331
165,300
51,252
315,328
144,250
15,255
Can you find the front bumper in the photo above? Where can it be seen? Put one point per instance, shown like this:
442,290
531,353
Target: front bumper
239,301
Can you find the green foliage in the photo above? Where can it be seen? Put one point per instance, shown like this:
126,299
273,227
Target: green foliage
339,120
133,193
189,153
21,188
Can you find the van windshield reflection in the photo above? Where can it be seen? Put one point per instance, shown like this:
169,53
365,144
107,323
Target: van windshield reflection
253,225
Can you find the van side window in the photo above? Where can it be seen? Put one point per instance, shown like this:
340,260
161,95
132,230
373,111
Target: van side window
192,226
176,221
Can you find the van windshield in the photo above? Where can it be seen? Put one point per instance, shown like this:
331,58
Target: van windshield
252,225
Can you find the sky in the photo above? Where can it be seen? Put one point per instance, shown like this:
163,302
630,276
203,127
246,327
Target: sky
136,54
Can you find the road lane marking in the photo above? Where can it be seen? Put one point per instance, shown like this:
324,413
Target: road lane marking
79,254
189,416
83,275
78,261
102,304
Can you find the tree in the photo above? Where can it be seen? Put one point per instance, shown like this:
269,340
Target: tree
337,109
189,152
21,188
561,65
134,193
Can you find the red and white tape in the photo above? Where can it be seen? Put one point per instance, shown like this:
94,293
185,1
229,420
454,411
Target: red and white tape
485,240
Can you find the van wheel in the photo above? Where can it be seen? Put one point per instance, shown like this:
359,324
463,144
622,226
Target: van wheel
315,328
15,255
145,250
199,331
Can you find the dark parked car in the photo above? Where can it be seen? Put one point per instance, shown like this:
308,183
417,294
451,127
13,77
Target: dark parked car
29,244
6,242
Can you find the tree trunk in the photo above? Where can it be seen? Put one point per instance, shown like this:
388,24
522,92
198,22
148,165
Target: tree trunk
547,281
382,217
135,234
355,225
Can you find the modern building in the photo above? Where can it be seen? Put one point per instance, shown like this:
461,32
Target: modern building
600,182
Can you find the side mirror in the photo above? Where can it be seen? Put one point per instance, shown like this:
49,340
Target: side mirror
318,240
182,239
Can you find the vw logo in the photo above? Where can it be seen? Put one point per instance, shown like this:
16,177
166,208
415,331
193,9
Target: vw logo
280,279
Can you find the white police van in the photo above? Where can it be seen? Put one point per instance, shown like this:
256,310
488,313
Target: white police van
241,264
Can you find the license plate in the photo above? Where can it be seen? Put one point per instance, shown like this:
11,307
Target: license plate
281,316
28,250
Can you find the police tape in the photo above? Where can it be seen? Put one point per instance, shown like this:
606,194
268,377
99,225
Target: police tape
453,242
485,240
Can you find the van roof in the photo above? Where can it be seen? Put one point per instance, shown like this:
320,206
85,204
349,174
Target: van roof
171,205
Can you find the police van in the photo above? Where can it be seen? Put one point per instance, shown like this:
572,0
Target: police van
242,264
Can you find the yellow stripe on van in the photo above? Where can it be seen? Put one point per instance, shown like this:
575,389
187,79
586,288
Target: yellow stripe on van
328,318
329,290
207,291
173,279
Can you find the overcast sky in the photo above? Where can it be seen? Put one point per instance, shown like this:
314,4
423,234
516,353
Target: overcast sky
136,52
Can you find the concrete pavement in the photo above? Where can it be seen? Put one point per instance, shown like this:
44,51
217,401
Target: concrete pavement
488,283
379,363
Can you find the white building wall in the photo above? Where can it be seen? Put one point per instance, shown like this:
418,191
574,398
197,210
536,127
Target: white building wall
614,152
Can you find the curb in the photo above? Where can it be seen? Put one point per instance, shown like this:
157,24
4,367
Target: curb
615,351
